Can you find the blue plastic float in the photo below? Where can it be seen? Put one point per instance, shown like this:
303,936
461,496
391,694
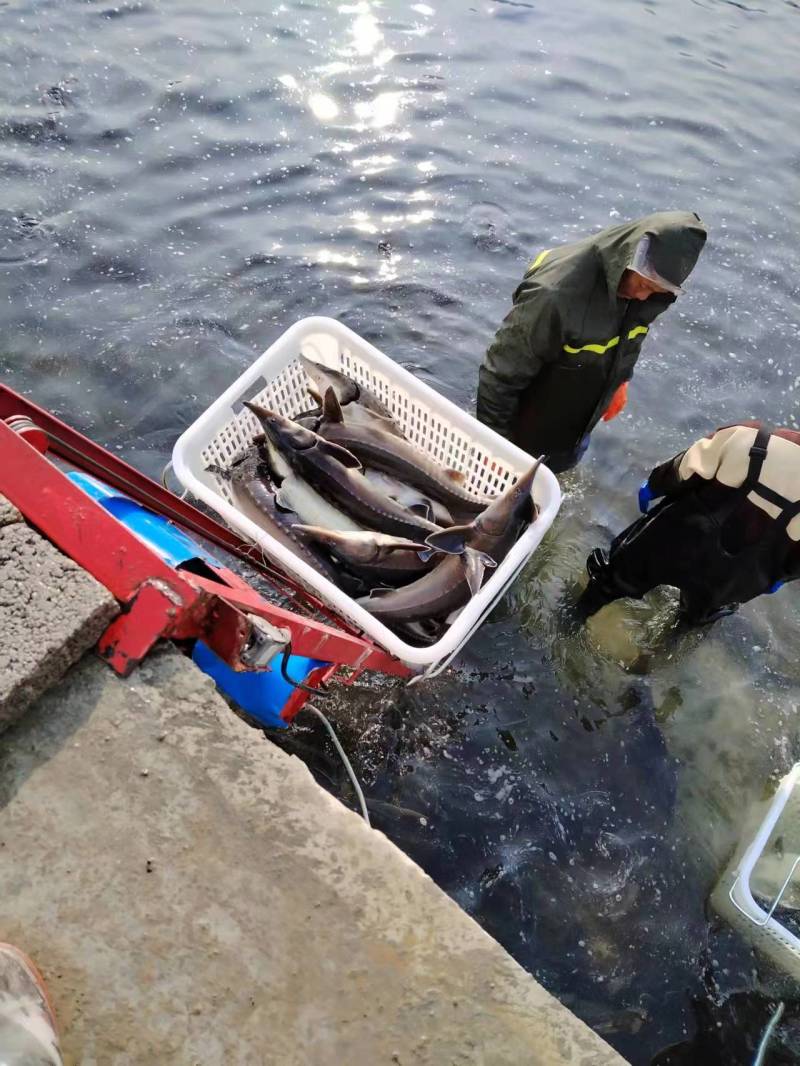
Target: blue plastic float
262,695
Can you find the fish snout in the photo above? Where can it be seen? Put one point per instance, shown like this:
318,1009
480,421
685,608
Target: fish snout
267,419
318,533
283,432
351,546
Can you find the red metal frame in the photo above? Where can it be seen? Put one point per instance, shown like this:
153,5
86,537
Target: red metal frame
158,601
81,452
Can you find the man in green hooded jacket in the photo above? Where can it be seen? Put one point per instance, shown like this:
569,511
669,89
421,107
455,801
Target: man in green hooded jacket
565,352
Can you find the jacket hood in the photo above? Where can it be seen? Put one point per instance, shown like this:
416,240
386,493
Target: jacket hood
676,240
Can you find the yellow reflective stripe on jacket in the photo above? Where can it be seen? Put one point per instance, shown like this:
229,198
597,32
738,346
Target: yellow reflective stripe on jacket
540,258
601,349
598,349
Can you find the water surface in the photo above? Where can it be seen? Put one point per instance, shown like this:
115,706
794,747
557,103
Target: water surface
181,181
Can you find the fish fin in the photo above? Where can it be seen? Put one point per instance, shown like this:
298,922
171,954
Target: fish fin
336,451
456,476
313,392
475,564
452,541
428,553
441,516
424,509
280,501
331,408
378,592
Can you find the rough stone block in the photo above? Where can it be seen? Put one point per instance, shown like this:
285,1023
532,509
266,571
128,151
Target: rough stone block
51,612
8,513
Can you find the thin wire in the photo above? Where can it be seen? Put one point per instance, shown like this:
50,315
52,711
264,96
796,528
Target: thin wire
343,755
765,1039
320,692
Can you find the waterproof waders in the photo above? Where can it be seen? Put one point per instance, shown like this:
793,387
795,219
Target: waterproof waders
694,541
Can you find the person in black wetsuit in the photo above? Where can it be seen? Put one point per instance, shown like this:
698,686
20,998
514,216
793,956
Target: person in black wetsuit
727,528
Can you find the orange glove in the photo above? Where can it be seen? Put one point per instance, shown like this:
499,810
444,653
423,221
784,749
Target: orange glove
618,401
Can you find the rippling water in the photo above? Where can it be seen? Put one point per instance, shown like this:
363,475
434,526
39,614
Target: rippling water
182,181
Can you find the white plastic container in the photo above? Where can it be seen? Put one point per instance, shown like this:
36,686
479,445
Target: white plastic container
735,895
449,435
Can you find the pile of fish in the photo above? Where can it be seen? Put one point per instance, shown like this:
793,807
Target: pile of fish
343,489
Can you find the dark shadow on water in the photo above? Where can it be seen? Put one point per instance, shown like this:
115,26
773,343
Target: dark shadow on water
561,838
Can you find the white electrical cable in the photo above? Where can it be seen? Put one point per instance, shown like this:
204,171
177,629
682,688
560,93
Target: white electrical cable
345,760
765,1039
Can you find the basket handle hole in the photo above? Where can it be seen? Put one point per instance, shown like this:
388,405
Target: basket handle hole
258,386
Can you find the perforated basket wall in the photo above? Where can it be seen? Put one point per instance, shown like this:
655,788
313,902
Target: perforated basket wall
745,895
485,474
452,438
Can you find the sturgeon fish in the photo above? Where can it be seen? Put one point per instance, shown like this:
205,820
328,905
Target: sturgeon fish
254,498
347,390
375,448
409,497
336,474
295,494
484,542
376,557
354,414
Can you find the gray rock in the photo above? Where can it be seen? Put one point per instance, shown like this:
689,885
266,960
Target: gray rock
8,513
51,612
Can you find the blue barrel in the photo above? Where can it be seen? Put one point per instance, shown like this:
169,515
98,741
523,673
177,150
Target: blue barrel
262,695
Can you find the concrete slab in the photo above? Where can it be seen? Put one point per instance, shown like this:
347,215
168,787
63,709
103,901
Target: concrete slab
192,896
51,612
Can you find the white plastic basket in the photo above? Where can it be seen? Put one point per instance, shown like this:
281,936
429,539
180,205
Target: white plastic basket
455,439
735,895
